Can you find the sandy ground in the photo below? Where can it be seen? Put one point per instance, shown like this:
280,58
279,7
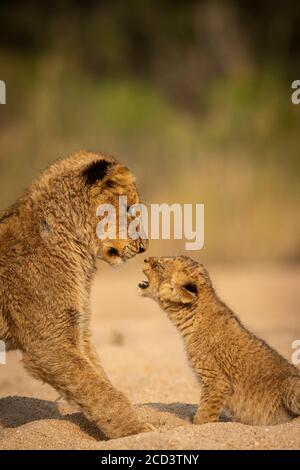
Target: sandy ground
144,357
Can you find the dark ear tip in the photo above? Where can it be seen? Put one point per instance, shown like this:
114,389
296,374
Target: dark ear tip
191,287
96,171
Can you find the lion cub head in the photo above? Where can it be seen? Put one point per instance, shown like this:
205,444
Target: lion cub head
66,196
174,282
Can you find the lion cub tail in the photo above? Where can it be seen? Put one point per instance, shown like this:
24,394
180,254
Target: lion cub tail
291,397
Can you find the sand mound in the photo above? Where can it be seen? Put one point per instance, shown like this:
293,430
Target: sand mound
28,423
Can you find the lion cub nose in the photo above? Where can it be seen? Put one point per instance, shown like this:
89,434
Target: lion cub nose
142,249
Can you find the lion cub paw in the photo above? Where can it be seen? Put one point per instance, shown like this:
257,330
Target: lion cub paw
198,419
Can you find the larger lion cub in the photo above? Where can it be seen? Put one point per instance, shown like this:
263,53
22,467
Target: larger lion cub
239,372
48,253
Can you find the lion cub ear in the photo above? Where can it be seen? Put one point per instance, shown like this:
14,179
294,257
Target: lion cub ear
96,171
186,290
120,176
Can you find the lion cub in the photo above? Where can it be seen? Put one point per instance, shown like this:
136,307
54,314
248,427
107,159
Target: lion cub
239,372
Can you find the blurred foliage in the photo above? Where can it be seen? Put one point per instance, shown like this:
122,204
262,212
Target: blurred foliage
193,95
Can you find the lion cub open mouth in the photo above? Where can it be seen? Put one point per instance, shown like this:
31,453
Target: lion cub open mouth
144,285
144,288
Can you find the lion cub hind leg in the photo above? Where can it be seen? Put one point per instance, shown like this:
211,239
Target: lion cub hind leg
213,398
73,375
91,353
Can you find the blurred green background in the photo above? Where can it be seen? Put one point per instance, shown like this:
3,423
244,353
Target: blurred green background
195,96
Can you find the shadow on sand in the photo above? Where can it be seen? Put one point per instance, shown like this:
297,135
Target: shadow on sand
17,411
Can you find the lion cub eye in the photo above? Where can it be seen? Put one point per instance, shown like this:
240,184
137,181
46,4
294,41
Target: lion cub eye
191,287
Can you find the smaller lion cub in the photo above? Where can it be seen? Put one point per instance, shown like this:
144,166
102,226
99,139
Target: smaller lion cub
240,374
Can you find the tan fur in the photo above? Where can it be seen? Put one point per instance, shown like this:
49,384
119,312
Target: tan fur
48,251
239,372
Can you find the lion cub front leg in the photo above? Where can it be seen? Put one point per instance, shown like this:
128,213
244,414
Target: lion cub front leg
73,375
213,397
